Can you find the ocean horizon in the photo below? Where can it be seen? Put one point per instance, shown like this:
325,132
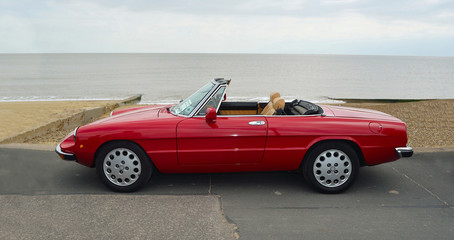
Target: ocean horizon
170,77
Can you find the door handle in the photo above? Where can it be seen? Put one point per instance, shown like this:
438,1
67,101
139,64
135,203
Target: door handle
257,123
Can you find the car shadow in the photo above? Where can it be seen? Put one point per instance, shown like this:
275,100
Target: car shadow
79,179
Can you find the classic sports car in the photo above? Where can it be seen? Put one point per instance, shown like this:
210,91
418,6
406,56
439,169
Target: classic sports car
205,133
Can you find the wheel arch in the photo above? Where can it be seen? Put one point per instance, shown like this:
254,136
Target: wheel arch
351,143
117,141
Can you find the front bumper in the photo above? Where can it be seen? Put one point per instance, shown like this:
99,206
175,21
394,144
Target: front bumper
404,151
63,155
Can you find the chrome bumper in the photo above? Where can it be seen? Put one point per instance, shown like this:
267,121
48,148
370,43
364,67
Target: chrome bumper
63,155
404,151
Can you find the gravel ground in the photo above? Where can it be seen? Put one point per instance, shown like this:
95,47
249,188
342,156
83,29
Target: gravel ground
430,123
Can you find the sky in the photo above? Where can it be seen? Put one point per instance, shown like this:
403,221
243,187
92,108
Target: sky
376,27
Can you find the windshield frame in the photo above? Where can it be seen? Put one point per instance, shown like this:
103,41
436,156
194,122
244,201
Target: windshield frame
216,85
218,88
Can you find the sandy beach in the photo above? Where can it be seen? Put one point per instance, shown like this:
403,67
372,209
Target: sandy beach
18,117
430,123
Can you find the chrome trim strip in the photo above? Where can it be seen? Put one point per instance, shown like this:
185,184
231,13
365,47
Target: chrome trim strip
209,98
312,115
74,134
66,156
222,97
201,103
192,113
257,123
258,115
404,151
179,115
218,82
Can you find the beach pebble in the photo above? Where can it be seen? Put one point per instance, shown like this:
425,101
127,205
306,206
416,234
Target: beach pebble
393,192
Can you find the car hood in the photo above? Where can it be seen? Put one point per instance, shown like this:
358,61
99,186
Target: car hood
349,112
133,116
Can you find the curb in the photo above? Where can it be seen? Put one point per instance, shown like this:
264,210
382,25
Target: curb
28,146
428,150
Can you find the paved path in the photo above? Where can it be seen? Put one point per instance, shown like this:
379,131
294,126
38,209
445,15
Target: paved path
43,196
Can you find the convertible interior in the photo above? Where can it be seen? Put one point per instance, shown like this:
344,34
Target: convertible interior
276,106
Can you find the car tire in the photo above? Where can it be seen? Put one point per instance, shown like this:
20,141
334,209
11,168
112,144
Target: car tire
331,167
123,166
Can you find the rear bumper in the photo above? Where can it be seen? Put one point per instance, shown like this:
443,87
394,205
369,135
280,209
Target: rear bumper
404,151
63,155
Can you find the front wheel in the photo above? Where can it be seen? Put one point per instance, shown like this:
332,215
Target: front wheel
123,166
331,167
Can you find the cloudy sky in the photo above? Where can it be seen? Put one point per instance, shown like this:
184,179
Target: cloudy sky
376,27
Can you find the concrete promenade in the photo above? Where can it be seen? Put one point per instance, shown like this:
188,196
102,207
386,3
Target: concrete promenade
42,196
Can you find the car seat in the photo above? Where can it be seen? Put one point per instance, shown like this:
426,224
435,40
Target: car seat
269,107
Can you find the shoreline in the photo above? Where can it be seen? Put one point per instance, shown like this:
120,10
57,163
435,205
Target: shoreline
325,101
381,100
430,123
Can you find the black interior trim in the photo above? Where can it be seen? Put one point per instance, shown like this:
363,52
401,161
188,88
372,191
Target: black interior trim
289,108
239,106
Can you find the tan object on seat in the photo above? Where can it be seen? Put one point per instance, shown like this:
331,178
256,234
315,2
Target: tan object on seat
268,108
269,112
278,103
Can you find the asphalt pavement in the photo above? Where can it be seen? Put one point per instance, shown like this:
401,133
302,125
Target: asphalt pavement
42,196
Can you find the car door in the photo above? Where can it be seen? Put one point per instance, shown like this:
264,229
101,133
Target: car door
230,140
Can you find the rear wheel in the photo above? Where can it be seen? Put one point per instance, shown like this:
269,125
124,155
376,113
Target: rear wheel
331,167
123,166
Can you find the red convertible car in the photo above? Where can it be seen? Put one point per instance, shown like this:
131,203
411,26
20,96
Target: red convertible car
205,133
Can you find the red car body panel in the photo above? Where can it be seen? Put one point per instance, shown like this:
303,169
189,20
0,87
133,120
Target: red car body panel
178,144
230,140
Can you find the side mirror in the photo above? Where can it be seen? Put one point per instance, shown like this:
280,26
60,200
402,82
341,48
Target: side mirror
210,115
225,98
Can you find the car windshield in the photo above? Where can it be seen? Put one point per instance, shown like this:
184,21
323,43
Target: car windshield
187,105
213,102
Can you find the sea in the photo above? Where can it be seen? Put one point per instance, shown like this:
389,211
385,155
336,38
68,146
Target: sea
168,78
